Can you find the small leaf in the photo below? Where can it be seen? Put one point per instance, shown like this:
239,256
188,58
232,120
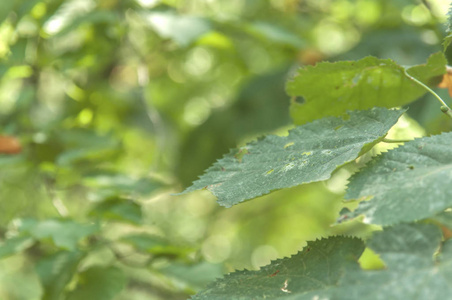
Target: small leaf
182,29
99,283
114,184
118,209
56,271
448,38
154,244
64,233
276,34
14,245
330,89
409,183
309,153
197,275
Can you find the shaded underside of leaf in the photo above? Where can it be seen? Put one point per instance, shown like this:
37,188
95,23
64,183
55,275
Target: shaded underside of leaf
328,269
14,245
56,271
330,89
309,153
409,183
100,283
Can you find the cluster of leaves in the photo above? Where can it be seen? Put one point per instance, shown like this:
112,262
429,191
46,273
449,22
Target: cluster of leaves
107,104
351,106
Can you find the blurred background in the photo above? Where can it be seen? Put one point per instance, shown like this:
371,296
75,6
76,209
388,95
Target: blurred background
110,107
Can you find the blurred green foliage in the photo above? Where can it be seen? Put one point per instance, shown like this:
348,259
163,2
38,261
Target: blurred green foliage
118,104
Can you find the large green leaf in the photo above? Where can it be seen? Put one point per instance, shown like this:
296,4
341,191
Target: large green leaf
328,269
320,265
409,183
330,89
100,283
309,153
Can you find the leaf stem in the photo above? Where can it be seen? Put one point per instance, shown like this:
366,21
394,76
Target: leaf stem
444,108
385,140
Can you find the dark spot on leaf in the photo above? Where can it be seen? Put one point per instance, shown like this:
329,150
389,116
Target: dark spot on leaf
299,100
274,274
411,167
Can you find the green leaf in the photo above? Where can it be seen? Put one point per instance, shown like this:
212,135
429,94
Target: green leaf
447,41
14,245
182,29
93,17
114,184
330,89
275,34
154,244
328,269
319,266
64,233
100,283
83,145
448,38
413,270
197,275
309,153
56,271
409,183
118,209
5,8
430,73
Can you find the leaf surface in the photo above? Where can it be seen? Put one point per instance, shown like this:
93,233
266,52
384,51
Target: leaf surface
408,183
448,38
328,269
56,271
330,89
100,283
118,209
14,245
309,153
64,233
182,29
317,267
158,246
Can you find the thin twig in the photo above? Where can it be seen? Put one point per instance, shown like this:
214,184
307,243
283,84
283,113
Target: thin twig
444,108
